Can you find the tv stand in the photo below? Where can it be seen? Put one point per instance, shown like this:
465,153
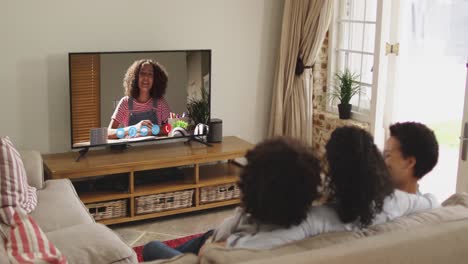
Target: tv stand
199,140
206,172
82,153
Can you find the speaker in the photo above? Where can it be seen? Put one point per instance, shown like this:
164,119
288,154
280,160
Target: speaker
98,136
215,132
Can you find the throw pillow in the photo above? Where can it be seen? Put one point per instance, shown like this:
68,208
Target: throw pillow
25,242
14,188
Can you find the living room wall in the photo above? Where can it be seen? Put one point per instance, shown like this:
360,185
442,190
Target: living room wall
36,37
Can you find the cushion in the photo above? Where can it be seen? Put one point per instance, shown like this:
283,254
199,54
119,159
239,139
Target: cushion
34,167
216,254
59,206
92,243
25,242
14,188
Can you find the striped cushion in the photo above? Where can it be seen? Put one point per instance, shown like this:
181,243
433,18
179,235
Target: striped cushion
14,188
26,243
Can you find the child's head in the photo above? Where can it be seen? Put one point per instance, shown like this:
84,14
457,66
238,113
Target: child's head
411,152
279,182
358,179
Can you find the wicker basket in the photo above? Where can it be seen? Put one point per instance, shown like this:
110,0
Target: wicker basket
163,202
223,192
107,210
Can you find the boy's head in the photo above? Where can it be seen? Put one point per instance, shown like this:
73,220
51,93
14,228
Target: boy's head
279,182
411,152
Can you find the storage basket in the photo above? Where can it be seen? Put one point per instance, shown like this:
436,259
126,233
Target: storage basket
219,193
107,210
163,202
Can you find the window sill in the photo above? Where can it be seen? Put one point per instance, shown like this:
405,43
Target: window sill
356,116
329,120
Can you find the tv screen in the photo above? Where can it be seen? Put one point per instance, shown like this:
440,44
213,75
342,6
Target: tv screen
123,97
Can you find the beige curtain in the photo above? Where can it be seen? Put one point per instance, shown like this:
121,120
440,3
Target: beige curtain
305,24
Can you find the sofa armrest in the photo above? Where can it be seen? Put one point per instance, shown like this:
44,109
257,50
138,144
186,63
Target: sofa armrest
91,243
32,161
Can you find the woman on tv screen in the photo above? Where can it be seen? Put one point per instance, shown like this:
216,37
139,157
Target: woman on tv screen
143,105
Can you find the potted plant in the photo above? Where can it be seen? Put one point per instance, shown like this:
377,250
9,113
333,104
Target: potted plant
199,108
345,87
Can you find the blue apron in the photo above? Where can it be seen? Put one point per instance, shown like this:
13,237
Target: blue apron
135,118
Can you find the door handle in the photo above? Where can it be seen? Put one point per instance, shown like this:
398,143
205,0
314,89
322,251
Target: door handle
464,140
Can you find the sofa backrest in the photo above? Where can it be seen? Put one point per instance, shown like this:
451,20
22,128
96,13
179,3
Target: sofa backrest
32,161
445,243
215,254
454,210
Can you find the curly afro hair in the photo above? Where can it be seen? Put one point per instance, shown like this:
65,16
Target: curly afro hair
130,82
279,182
358,180
418,141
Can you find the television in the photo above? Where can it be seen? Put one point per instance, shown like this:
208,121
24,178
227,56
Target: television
117,98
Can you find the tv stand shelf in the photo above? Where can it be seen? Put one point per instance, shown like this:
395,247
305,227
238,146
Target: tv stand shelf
201,166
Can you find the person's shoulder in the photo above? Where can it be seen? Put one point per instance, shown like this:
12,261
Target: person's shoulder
431,197
399,196
163,100
124,100
123,103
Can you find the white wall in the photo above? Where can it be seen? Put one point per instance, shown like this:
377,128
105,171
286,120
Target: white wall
35,37
114,67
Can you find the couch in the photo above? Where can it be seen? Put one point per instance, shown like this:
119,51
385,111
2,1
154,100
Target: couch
435,236
66,222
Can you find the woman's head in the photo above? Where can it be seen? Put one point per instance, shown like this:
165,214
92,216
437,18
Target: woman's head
358,179
279,182
145,76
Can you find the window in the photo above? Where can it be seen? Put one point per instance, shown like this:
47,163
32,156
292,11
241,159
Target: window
352,46
85,95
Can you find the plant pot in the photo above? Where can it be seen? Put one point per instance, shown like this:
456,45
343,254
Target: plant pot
344,111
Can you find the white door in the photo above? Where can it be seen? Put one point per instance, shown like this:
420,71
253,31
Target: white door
462,179
426,80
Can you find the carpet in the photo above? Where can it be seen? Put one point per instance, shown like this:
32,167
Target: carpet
171,243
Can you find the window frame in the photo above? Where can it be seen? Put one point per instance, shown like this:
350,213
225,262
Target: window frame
333,42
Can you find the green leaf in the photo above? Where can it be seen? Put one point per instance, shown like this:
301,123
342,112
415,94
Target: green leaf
345,86
199,109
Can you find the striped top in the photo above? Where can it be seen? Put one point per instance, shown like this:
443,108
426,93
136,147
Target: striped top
121,113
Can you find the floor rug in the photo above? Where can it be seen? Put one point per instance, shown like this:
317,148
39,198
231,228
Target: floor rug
172,243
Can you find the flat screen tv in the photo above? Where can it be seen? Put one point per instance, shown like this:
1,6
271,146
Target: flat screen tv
118,98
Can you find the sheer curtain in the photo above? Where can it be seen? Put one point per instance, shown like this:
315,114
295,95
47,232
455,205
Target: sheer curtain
305,24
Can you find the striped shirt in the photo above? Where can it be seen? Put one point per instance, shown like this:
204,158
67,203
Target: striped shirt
121,113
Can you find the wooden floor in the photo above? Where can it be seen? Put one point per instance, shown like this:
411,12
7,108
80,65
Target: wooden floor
171,227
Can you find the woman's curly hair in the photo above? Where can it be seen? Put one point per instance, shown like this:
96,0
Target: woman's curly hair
130,81
279,182
358,180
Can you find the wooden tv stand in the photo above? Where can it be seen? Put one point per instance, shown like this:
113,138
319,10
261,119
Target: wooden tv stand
202,166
